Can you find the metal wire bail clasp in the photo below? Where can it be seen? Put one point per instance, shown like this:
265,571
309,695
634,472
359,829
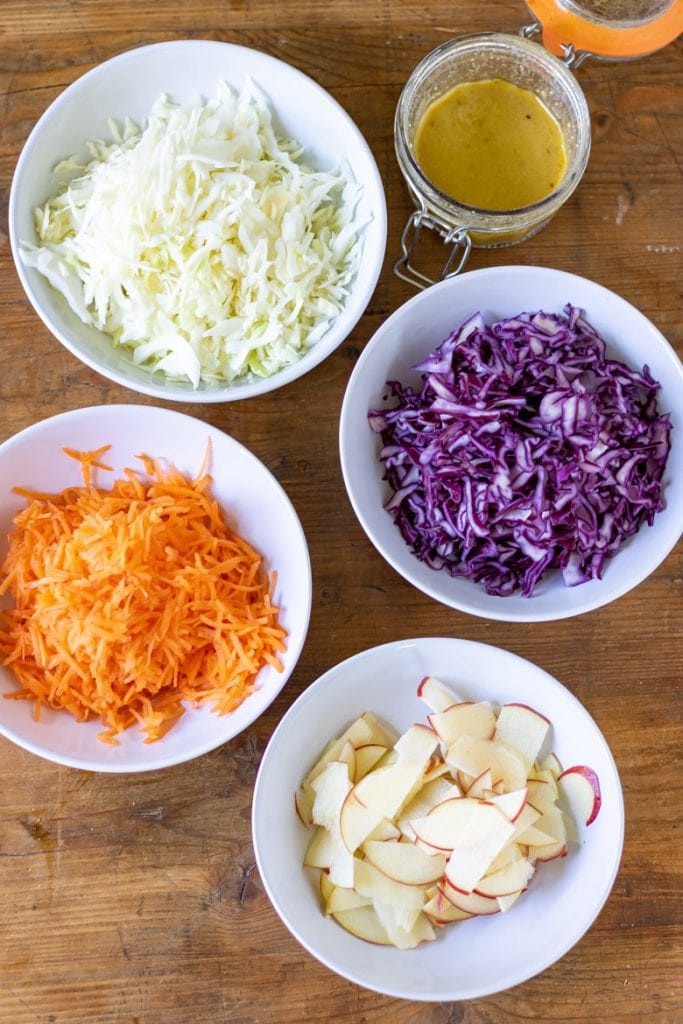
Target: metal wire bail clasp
458,238
572,57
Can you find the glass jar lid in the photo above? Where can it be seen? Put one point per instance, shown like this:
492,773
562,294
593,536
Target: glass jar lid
613,29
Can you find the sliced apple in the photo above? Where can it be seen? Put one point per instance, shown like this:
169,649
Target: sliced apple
527,818
435,695
552,764
580,788
320,850
326,887
357,822
552,823
367,756
539,793
470,902
437,769
523,729
484,835
545,776
404,862
441,911
417,744
548,852
340,900
369,881
481,785
385,831
382,792
442,826
474,756
431,794
331,789
511,804
505,902
366,729
465,781
508,855
403,938
466,719
364,924
509,880
347,754
535,837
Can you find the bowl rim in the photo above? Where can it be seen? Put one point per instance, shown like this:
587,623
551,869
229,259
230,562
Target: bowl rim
360,294
305,594
498,610
311,693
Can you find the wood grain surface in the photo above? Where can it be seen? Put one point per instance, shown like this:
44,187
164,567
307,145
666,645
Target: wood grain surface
135,899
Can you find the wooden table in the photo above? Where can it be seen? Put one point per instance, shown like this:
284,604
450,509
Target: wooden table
135,900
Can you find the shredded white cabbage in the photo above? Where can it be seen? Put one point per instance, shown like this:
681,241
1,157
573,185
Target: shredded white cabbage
202,243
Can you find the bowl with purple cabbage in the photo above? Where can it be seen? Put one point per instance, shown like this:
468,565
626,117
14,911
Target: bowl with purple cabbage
512,443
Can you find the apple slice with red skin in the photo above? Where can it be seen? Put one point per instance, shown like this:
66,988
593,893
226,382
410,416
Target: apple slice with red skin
509,880
369,881
441,827
482,785
404,862
441,911
469,902
467,719
485,833
364,924
436,696
511,804
547,853
527,818
432,793
473,756
366,729
340,900
539,793
356,821
580,787
367,756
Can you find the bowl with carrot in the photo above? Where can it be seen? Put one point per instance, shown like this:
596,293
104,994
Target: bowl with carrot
155,588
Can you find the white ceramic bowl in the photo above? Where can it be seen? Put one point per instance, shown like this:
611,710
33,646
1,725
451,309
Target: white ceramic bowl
254,503
128,85
473,958
424,322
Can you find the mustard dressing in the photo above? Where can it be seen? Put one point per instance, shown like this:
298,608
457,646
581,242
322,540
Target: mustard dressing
491,144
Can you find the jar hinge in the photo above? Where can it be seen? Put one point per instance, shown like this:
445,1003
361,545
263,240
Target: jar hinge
572,57
458,238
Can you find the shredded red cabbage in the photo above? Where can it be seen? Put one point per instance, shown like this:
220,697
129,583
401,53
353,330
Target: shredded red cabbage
525,450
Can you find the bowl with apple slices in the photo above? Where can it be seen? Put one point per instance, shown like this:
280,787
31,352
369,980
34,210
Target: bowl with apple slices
449,829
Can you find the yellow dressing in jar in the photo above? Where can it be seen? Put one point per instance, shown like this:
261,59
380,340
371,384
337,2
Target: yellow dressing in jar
492,145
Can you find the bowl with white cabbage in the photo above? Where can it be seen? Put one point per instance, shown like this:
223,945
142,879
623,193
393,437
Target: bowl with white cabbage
197,221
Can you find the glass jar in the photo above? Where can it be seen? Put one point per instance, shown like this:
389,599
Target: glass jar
473,58
608,29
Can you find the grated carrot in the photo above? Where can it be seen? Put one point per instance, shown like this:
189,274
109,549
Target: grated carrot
133,602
